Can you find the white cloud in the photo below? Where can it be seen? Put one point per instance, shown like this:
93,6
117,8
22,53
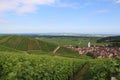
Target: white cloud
28,6
117,1
22,6
103,11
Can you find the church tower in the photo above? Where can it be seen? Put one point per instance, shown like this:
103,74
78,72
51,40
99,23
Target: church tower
88,44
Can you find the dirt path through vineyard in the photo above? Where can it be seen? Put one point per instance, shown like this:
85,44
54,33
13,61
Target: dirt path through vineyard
56,49
81,73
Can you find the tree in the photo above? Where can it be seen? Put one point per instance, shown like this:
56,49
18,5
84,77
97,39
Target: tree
90,54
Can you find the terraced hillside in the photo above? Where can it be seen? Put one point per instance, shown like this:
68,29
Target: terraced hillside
26,43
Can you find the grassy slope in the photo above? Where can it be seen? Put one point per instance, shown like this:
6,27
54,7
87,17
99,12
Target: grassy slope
96,70
65,52
6,49
34,46
26,43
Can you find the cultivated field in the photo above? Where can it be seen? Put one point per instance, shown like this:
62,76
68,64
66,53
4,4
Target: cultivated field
26,58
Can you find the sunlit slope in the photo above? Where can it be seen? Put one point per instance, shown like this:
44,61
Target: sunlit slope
65,52
34,46
4,49
26,43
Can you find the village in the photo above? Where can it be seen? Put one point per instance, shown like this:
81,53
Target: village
97,51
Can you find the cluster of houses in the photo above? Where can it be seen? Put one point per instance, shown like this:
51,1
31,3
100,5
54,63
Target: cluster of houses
98,52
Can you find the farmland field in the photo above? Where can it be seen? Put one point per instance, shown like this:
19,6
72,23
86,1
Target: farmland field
75,41
27,58
44,67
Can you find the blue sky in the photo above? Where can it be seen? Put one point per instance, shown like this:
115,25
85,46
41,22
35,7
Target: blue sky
60,16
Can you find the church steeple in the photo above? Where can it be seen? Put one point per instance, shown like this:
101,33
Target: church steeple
88,44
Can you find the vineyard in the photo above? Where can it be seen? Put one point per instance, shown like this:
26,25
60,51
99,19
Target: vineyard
33,46
31,67
26,43
43,67
26,58
103,69
3,48
75,41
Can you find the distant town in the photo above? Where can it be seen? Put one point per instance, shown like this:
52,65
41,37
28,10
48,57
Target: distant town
97,51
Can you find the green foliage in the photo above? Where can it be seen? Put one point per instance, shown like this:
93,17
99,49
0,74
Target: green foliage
51,67
26,43
44,67
103,69
109,39
90,54
65,52
75,41
31,67
113,41
3,48
115,44
35,46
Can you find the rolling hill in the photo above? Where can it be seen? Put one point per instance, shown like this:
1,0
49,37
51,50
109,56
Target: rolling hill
109,39
17,66
35,46
24,43
113,41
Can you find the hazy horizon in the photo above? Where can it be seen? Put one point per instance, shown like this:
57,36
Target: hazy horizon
52,33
